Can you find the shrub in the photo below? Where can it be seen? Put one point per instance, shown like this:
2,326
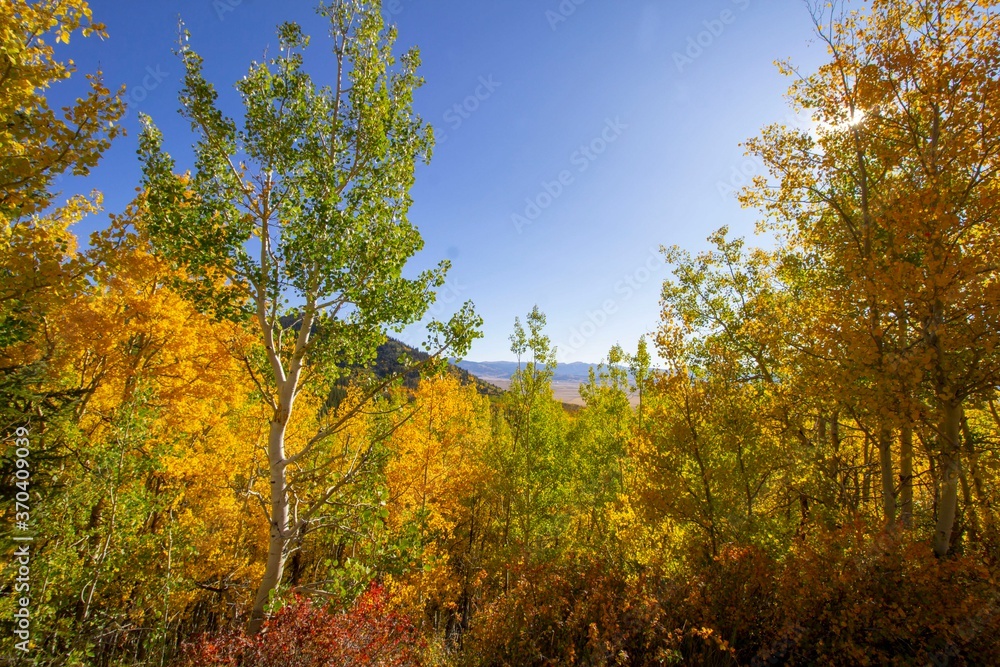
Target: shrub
853,598
303,634
847,597
575,611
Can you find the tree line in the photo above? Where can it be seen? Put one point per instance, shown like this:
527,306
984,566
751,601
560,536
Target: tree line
799,466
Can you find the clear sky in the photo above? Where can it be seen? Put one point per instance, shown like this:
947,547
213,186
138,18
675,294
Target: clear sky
575,136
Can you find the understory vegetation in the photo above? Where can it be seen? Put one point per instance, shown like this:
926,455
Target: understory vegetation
229,466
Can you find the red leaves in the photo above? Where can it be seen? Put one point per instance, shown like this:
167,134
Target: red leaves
305,635
574,611
841,597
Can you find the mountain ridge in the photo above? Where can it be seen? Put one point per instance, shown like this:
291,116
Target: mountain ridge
577,371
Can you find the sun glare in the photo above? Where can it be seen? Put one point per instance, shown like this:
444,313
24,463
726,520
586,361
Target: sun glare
819,127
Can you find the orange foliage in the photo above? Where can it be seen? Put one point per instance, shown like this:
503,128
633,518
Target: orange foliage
434,476
129,337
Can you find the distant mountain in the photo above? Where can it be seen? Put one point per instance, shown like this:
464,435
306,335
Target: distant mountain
487,369
490,378
575,372
387,363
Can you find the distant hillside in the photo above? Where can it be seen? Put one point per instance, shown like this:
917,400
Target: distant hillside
387,363
490,378
479,375
566,379
574,372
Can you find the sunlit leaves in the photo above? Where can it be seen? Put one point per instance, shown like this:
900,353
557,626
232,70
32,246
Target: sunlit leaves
37,144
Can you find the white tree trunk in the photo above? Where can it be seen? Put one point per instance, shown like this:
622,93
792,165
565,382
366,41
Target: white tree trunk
951,418
906,476
279,524
888,478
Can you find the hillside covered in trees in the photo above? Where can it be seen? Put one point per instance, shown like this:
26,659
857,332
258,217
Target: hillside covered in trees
215,454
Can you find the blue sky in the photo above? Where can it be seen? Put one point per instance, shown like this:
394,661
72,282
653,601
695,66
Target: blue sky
575,137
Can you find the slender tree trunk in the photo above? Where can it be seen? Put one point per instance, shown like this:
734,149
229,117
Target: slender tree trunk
839,474
888,478
978,483
906,476
287,389
932,464
905,440
951,418
706,485
467,565
279,524
866,480
969,507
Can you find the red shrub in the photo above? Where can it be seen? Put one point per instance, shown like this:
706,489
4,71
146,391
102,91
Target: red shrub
848,597
854,598
576,611
734,597
304,635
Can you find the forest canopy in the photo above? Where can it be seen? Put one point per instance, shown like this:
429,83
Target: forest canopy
215,454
